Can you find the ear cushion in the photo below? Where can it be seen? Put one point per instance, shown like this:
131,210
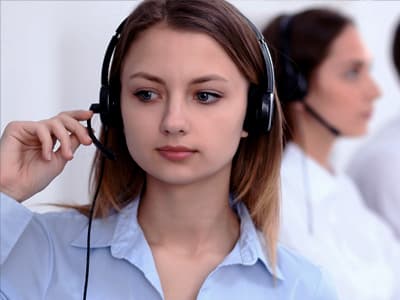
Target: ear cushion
293,86
302,86
259,110
107,107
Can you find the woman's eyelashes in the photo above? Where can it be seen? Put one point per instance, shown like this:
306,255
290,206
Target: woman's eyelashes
203,97
145,95
206,97
352,73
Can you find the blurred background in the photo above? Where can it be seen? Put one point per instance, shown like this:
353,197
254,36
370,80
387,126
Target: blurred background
52,51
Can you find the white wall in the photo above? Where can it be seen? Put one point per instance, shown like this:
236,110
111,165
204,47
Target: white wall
51,55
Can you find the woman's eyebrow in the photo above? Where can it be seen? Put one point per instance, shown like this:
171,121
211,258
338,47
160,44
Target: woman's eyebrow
211,77
146,76
202,79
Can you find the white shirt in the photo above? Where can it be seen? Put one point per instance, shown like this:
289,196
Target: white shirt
324,218
376,171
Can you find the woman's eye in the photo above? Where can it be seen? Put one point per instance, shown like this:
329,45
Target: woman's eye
207,97
352,74
145,95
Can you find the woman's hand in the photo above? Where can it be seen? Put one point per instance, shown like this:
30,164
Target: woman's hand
28,162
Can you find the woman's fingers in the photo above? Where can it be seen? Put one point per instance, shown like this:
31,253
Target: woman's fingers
62,134
46,139
76,127
74,144
66,126
80,115
46,133
22,143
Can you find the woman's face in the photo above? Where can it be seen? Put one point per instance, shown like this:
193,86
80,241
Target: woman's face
183,104
341,89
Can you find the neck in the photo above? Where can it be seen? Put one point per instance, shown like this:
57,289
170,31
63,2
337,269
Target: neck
188,218
314,139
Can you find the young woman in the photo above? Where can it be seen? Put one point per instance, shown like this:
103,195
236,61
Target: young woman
190,207
323,79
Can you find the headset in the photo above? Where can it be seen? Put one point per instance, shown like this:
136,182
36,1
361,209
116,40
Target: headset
294,86
259,115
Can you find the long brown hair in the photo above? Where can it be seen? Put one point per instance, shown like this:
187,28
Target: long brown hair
255,167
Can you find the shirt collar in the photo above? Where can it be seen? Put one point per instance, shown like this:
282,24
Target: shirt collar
251,244
118,228
123,234
102,232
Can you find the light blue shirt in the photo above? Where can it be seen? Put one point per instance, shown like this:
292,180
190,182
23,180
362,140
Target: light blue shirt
43,257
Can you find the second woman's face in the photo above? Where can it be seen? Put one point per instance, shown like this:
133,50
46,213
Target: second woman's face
183,104
342,89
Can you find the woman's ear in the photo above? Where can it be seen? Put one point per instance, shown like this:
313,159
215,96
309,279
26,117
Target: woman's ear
244,134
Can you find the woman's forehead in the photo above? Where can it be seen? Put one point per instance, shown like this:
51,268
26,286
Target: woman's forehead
162,48
348,48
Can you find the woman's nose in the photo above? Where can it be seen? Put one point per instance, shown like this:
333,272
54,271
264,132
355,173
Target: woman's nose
175,118
372,89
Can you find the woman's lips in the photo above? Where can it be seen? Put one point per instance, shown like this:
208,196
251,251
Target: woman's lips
175,153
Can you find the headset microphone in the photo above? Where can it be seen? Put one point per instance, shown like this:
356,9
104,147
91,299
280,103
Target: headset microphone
321,120
105,151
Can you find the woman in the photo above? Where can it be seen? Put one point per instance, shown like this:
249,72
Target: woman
187,210
323,80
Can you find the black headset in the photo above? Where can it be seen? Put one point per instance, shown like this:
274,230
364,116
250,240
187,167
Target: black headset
259,114
294,85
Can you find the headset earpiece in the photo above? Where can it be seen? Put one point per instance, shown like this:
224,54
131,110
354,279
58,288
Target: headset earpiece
260,100
266,111
259,113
